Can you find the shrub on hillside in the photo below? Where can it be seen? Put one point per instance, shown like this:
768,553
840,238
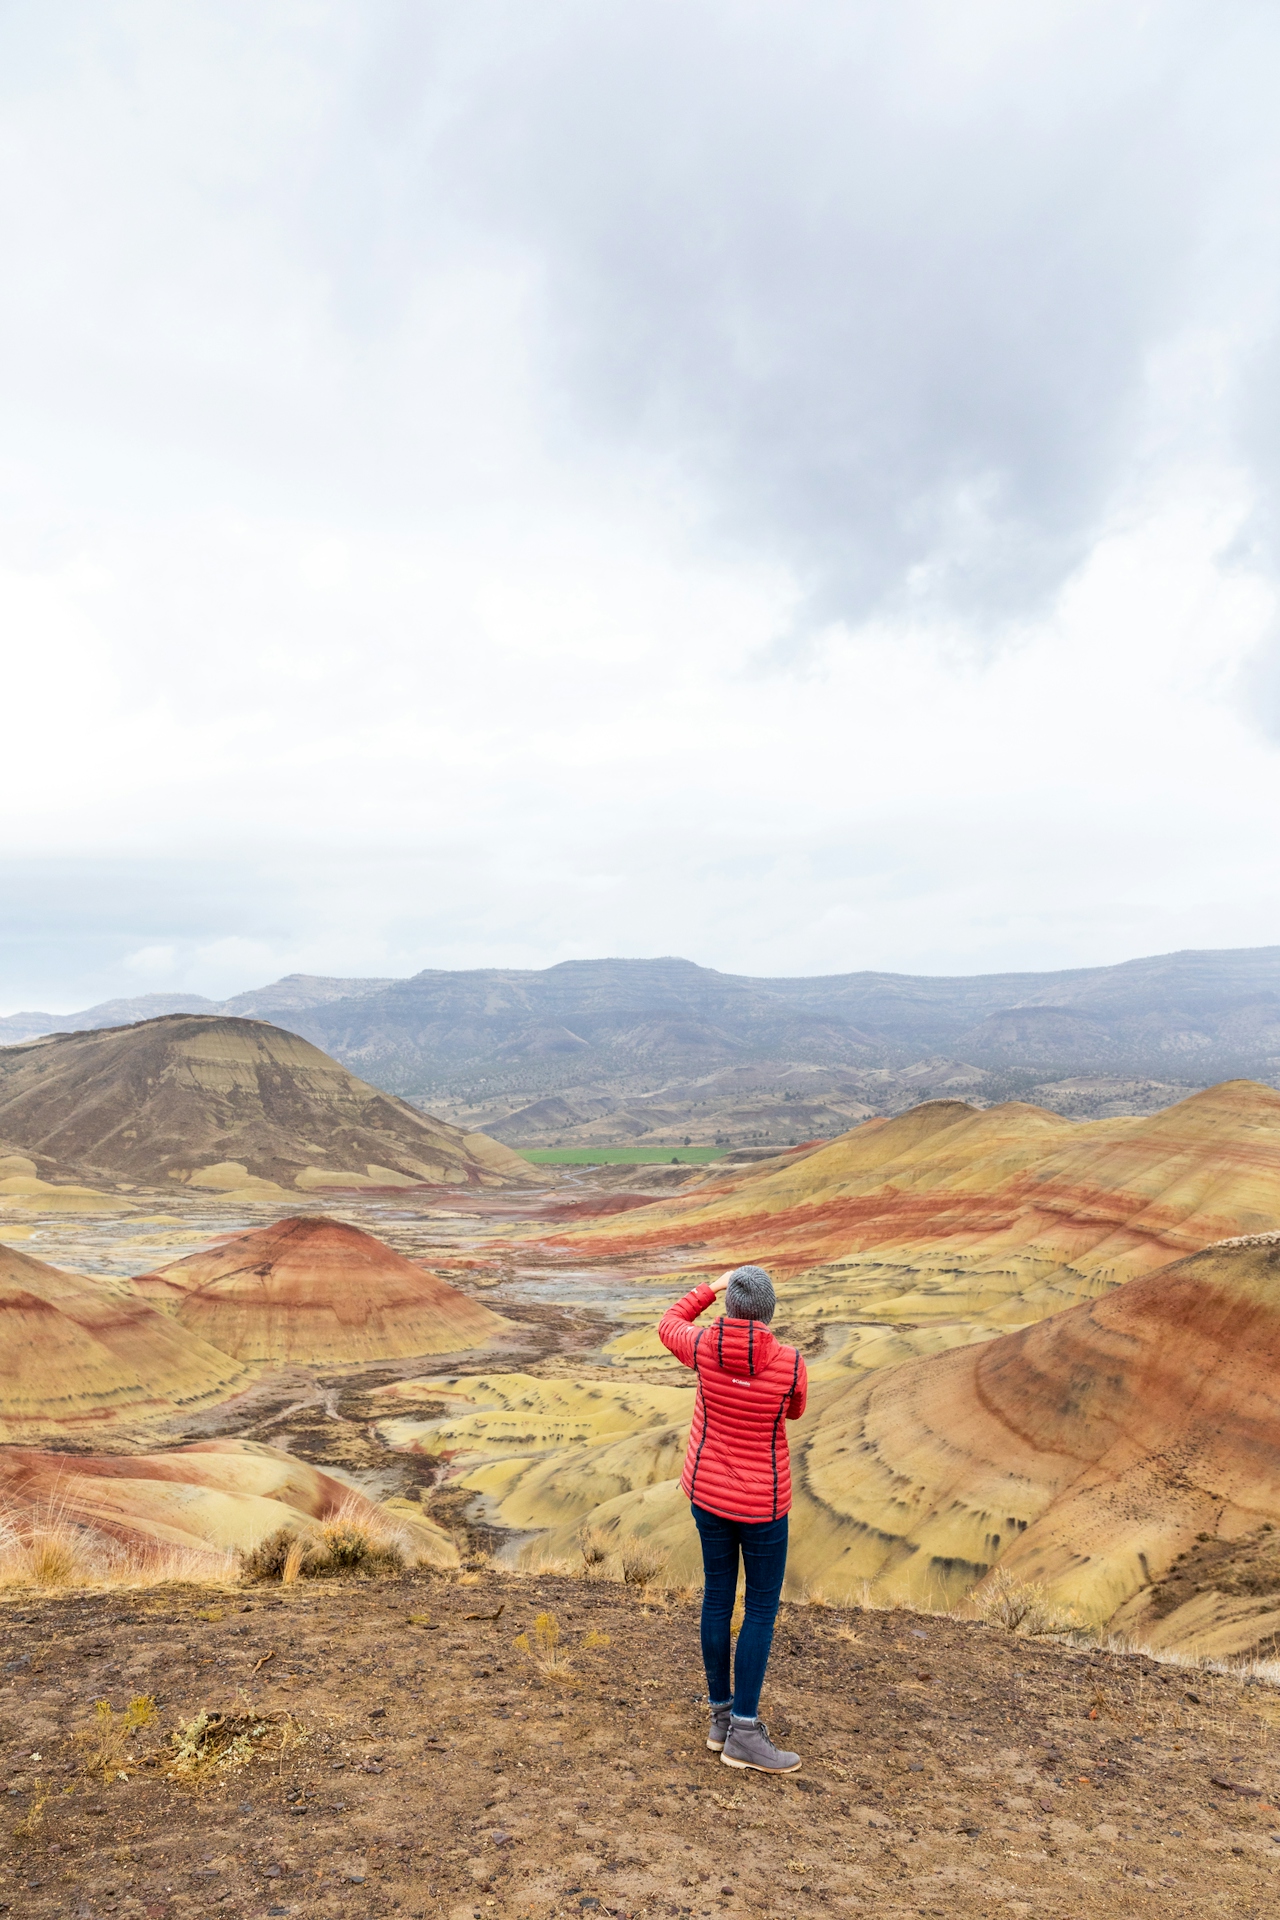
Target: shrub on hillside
1020,1606
353,1541
642,1563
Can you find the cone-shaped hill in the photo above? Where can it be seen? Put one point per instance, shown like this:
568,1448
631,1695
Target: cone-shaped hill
1086,1452
227,1103
314,1291
79,1354
999,1215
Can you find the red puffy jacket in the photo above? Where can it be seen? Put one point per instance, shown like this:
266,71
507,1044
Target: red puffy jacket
749,1386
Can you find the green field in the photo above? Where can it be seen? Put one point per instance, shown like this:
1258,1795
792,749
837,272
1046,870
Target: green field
619,1156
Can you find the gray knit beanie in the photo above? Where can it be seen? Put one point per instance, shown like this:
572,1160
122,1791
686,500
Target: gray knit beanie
749,1295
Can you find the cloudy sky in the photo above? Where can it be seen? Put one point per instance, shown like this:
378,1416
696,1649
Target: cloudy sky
791,483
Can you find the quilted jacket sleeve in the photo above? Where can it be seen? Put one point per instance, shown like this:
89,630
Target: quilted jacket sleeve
796,1404
675,1329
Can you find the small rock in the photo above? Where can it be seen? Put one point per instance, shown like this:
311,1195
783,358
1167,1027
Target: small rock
377,1713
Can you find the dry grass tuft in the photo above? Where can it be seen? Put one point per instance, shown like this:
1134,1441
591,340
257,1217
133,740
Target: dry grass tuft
354,1540
293,1562
596,1549
544,1648
642,1563
1020,1606
106,1741
46,1548
32,1825
43,1548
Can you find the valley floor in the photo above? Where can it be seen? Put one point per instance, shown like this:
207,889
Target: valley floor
949,1768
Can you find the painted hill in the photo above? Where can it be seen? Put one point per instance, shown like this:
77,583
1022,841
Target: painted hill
226,1103
214,1494
79,1354
904,1250
1085,1453
1123,1455
314,1291
948,1216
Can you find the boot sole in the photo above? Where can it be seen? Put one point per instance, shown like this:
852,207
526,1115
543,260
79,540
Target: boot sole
753,1766
716,1746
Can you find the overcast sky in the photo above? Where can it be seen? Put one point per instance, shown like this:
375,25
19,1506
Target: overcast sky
789,484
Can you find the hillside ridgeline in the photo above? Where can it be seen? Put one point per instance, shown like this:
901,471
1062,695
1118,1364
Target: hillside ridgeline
230,1105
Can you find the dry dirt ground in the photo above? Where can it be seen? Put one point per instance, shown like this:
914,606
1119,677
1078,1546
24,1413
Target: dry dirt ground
950,1769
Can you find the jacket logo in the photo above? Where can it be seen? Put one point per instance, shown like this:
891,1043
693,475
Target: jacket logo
739,1383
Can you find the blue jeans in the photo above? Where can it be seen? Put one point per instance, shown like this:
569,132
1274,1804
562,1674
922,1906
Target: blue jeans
763,1544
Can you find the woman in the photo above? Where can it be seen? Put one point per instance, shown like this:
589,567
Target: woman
737,1475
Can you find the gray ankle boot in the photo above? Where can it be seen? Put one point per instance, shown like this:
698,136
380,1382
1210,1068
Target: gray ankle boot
719,1731
749,1745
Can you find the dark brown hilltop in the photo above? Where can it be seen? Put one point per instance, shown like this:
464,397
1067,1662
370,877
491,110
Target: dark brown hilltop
225,1103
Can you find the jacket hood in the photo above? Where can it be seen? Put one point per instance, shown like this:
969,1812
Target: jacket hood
742,1346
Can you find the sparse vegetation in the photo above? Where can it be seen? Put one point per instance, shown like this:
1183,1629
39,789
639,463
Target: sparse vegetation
107,1739
45,1550
31,1827
1020,1606
220,1743
595,1548
543,1647
642,1562
353,1541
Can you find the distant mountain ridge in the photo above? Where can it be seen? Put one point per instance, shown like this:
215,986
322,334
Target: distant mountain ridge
1197,1014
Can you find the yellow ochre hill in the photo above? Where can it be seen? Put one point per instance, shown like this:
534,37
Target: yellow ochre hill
78,1354
316,1291
950,1215
211,1496
230,1105
1083,1454
904,1251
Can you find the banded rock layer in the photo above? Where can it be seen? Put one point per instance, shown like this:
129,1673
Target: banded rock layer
214,1494
950,1215
79,1353
1084,1453
315,1291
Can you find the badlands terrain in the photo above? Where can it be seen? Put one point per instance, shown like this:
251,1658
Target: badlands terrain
1021,1354
1043,1355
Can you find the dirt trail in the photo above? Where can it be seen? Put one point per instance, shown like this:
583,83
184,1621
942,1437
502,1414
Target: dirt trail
950,1769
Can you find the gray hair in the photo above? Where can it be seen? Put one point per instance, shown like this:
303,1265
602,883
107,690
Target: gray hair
750,1295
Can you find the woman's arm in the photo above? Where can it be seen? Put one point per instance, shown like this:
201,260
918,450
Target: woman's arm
675,1329
796,1404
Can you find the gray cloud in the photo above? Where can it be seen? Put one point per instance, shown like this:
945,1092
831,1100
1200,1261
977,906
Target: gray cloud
882,285
420,419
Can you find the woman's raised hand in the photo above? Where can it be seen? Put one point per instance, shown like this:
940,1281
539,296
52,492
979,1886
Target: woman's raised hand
718,1286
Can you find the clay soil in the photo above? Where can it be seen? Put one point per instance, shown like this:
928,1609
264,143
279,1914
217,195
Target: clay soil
950,1769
